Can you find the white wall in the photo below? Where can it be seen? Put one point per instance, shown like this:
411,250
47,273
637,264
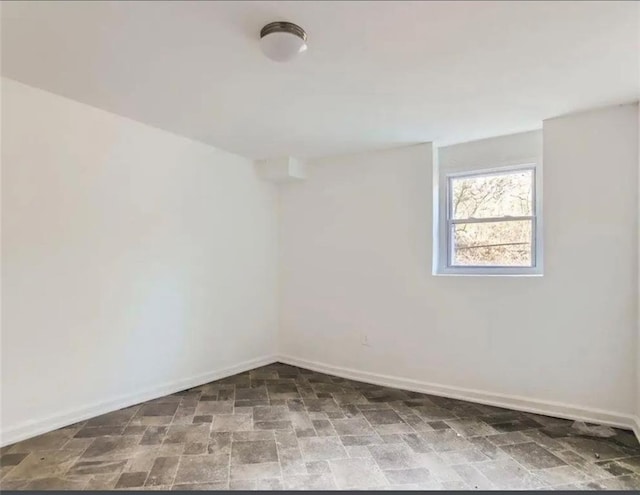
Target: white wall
134,261
595,150
637,429
126,244
355,259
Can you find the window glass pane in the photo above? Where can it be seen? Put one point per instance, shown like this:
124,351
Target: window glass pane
498,195
491,244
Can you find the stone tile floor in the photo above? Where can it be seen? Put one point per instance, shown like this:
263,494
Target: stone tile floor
281,427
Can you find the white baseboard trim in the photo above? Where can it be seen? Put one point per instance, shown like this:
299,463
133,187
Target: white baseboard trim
536,406
636,428
36,427
33,428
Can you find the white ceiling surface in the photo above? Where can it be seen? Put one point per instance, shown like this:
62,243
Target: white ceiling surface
377,74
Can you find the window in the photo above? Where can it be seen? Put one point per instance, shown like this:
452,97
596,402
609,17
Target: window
490,223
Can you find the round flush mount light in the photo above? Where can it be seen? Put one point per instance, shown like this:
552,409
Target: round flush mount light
282,41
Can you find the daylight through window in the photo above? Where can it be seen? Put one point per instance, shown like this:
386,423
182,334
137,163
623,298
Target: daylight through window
491,219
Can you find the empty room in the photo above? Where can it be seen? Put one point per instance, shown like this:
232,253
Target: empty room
320,245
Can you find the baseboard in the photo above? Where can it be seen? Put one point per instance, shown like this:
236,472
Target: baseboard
535,406
33,428
636,427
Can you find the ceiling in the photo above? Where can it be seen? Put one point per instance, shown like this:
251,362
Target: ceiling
376,75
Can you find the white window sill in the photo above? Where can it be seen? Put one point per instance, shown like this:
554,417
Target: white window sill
488,272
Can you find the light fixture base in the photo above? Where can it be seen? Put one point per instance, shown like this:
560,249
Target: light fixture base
281,40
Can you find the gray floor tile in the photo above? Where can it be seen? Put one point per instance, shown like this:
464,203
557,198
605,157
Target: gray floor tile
282,427
404,476
532,456
266,470
470,427
321,448
356,473
561,475
353,426
383,417
256,452
394,456
309,482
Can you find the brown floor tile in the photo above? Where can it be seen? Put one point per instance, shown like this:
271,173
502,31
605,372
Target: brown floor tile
202,469
161,409
83,468
131,480
99,431
55,484
11,459
43,464
222,485
259,451
115,418
163,471
111,448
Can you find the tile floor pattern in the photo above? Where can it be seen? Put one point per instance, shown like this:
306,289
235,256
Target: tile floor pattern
284,427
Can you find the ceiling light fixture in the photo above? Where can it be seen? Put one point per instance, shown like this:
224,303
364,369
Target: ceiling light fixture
281,41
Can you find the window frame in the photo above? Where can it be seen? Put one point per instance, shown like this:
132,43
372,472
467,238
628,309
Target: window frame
444,245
